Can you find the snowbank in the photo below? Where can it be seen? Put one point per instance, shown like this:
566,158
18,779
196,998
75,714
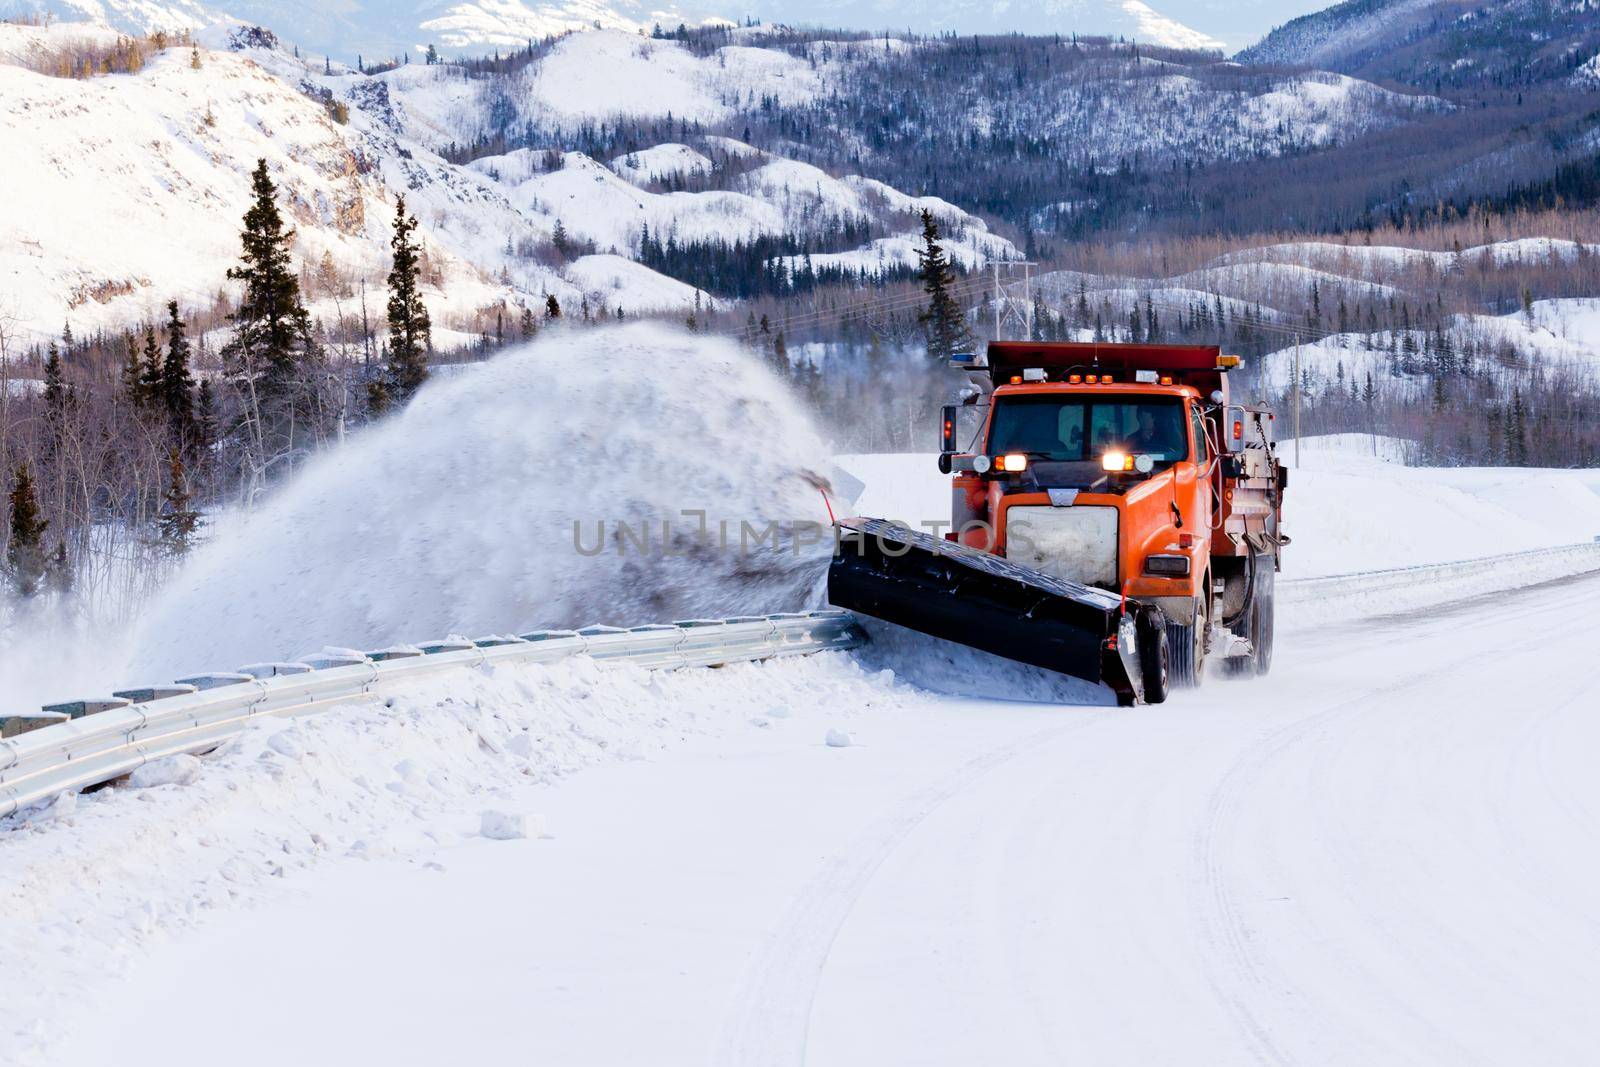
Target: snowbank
90,886
1349,512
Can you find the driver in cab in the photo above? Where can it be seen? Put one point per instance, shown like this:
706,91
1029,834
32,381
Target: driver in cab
1151,436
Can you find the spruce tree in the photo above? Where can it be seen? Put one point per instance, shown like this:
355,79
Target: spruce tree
55,384
58,574
205,418
177,384
132,372
272,329
149,390
410,332
379,400
529,325
178,520
942,321
1517,432
778,357
25,561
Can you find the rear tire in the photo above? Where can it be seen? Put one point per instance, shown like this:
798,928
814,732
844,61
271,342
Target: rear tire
1187,648
1257,625
1264,613
1154,656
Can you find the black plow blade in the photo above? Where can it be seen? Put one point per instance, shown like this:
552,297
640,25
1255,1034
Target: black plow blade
981,600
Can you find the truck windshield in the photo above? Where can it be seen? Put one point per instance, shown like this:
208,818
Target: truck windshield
1076,429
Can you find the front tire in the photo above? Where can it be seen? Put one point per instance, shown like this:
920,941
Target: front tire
1154,657
1188,648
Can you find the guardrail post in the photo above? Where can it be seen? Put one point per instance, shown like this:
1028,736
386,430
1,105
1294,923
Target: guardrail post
23,722
148,693
77,709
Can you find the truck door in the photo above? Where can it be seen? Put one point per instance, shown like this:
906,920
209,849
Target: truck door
1193,485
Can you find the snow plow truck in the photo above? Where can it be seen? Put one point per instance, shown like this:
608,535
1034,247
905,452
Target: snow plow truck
1116,517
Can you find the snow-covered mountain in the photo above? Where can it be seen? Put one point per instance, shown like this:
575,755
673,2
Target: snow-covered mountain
160,158
1440,43
377,28
1132,19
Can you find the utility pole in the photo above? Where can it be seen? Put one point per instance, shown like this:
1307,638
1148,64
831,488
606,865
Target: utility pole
999,301
1006,309
1296,401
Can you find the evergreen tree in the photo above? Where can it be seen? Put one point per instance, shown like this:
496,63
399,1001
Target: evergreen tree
529,325
177,384
942,321
1517,432
780,354
132,372
58,576
25,563
205,417
150,374
379,400
55,384
410,331
272,330
179,520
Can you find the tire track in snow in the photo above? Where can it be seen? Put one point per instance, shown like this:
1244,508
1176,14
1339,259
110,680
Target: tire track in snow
769,1021
1229,936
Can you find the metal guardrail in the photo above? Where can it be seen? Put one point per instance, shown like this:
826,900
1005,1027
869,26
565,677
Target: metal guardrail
1561,560
87,742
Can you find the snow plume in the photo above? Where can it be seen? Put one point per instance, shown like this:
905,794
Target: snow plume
479,509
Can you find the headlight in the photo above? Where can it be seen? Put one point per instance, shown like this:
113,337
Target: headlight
1116,462
1167,566
1015,463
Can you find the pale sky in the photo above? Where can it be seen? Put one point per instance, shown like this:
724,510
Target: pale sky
1236,22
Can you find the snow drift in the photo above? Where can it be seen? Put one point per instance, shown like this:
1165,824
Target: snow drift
482,506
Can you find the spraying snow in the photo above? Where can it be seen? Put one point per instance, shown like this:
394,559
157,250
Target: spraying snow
530,492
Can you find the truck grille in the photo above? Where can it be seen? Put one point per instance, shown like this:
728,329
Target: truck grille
1075,543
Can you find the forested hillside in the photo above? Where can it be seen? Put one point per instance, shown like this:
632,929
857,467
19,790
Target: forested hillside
1441,44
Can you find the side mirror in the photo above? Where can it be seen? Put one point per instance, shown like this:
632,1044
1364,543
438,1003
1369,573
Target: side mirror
947,428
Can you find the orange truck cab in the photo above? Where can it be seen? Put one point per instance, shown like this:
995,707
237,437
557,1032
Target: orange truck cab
1127,468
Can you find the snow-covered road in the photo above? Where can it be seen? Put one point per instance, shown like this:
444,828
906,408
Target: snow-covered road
1385,853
